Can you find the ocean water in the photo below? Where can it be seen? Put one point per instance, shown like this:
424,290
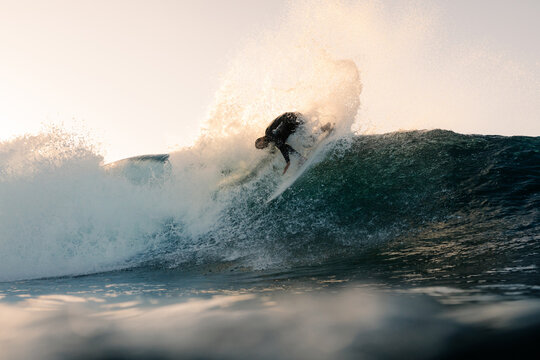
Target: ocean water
420,244
391,245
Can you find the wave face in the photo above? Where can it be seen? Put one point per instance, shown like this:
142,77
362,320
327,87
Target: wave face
478,191
439,194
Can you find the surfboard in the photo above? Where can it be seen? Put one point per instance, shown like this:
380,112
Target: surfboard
243,175
290,178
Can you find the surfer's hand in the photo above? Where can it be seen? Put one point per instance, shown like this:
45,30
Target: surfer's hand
286,167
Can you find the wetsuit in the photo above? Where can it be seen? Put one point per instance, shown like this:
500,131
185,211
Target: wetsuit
280,129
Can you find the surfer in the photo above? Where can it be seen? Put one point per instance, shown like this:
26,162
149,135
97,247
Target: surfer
278,132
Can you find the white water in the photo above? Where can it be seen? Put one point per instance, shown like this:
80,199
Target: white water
61,214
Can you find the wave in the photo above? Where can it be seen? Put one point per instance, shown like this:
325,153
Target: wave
372,189
68,215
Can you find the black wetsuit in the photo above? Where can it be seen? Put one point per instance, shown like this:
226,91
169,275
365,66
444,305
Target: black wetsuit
280,129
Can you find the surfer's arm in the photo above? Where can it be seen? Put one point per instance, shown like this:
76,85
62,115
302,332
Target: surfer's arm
279,129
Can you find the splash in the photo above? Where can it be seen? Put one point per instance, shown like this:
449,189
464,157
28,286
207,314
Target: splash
415,75
61,214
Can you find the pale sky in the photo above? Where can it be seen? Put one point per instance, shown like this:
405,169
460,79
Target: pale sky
140,76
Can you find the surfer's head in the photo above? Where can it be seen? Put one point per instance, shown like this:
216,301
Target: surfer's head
261,142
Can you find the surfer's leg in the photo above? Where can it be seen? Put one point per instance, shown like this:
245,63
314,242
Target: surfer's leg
296,153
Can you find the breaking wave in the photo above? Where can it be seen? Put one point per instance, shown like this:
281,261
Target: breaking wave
68,215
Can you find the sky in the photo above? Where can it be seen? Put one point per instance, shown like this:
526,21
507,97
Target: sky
141,76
